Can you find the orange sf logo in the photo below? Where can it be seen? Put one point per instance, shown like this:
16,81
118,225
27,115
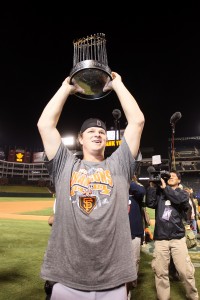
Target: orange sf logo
87,204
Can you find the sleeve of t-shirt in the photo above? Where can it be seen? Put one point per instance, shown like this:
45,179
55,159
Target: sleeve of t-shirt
124,158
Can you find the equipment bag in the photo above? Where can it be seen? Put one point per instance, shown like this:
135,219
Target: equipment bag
190,238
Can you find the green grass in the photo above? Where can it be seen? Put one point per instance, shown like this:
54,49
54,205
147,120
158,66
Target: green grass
22,246
23,189
151,212
44,212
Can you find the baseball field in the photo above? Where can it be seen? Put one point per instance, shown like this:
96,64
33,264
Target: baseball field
23,240
25,210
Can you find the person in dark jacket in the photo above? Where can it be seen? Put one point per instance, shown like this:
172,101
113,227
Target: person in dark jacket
137,194
171,204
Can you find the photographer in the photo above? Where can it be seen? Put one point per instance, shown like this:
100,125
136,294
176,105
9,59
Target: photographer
171,204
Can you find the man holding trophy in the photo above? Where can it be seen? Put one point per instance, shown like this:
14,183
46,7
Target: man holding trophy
89,249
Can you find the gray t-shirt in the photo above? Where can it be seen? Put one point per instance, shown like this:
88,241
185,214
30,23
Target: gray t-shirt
90,243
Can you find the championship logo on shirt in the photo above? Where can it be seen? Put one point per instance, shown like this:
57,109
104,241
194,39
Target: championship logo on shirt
91,188
88,203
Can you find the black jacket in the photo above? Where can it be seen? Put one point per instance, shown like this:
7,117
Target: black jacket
179,204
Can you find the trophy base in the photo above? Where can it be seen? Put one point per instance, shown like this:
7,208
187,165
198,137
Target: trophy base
91,76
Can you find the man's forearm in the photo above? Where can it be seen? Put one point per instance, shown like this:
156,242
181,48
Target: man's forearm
53,109
130,107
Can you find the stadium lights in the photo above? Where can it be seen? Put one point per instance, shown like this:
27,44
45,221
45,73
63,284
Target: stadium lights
69,140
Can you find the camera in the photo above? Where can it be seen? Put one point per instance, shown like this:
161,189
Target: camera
155,176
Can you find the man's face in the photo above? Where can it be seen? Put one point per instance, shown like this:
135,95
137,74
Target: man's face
173,180
93,139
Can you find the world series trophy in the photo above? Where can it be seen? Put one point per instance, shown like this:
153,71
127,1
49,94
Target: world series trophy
90,66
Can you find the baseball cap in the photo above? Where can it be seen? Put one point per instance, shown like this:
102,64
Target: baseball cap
92,122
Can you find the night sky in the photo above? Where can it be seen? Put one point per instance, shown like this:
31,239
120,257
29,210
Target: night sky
158,58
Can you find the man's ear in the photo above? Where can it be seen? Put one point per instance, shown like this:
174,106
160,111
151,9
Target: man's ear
80,140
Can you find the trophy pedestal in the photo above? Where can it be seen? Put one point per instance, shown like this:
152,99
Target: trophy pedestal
91,76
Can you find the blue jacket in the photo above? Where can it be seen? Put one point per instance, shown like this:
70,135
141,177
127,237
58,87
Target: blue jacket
136,195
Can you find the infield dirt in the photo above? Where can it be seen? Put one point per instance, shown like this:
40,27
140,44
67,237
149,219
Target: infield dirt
14,210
